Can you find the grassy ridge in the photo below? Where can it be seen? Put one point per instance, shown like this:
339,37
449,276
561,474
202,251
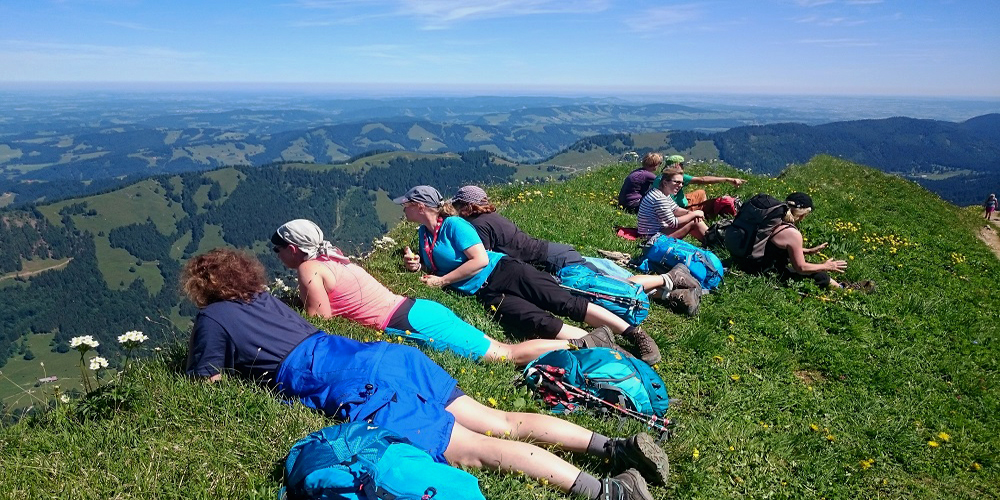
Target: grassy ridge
785,392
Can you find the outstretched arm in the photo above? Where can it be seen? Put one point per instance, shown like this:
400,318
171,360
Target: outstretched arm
711,179
791,240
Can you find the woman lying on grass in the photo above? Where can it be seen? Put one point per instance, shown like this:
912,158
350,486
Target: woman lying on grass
499,234
523,298
242,329
330,285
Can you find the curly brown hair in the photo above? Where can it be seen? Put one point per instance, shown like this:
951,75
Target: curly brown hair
222,274
469,209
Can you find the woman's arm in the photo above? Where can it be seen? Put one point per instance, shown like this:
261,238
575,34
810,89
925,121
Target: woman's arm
711,179
478,259
791,240
312,289
683,215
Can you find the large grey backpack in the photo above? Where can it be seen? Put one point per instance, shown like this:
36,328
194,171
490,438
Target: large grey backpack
747,237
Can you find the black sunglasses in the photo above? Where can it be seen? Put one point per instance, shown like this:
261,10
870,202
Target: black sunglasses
277,248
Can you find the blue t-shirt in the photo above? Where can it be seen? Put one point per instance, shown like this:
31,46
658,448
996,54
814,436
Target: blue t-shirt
250,338
454,237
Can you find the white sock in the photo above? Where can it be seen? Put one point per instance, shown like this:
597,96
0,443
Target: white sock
668,284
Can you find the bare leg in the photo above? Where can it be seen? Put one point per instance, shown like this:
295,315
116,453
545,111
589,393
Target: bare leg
480,418
524,352
570,332
649,282
470,449
599,316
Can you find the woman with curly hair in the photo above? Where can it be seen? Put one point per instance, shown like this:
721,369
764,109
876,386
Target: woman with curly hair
523,297
331,285
240,328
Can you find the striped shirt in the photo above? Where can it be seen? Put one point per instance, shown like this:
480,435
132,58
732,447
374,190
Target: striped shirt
656,214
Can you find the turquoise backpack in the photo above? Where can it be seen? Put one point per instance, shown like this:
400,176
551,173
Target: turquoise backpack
602,379
360,461
623,298
664,252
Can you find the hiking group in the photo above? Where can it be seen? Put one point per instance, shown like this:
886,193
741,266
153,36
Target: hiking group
465,245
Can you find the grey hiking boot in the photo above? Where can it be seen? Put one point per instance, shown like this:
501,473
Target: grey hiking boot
628,485
681,277
685,301
640,452
599,337
649,352
866,286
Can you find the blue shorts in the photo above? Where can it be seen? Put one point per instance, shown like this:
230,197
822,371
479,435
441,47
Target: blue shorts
434,325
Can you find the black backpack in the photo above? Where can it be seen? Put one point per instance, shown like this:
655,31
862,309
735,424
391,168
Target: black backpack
747,237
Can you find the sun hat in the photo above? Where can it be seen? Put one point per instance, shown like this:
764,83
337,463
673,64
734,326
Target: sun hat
799,200
425,195
471,194
308,237
672,159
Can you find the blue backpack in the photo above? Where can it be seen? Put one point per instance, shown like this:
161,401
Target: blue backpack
360,461
623,298
663,253
600,378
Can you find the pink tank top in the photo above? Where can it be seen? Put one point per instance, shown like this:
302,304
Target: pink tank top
357,296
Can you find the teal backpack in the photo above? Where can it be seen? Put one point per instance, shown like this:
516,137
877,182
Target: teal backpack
360,461
602,379
623,298
663,253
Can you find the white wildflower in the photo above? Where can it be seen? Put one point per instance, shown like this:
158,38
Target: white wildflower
132,339
84,343
97,363
64,398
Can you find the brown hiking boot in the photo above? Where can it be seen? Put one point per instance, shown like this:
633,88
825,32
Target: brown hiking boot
681,276
649,352
599,337
639,452
684,301
628,485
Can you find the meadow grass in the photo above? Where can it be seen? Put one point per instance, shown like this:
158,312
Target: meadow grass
783,391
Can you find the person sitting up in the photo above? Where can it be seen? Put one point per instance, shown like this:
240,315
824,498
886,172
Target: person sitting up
519,296
331,285
638,182
698,199
659,214
784,252
241,329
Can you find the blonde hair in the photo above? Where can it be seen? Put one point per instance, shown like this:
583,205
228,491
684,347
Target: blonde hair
652,160
794,215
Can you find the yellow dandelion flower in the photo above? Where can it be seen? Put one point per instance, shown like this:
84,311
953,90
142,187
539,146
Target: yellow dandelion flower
976,466
731,323
731,338
830,438
735,377
814,427
492,402
503,358
717,359
489,433
732,448
695,454
943,436
933,444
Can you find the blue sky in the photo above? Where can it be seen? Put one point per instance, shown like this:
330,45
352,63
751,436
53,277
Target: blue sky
839,47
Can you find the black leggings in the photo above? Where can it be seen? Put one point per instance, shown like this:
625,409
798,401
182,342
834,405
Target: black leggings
523,300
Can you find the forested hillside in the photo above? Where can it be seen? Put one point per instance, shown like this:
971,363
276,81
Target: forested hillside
124,248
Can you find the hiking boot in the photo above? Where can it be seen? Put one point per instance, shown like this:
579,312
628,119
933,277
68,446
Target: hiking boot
628,485
686,301
640,452
866,286
681,277
599,337
649,352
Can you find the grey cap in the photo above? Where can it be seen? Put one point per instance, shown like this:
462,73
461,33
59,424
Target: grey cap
425,195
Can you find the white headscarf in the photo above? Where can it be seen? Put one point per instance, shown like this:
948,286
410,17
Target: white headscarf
308,237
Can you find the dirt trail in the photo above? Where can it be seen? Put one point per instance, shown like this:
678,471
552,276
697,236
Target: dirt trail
989,236
25,274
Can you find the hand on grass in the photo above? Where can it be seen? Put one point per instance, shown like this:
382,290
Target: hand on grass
432,281
837,266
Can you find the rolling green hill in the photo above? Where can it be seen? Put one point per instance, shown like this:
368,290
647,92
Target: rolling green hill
785,392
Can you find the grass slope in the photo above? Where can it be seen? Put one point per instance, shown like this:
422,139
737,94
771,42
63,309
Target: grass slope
785,392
